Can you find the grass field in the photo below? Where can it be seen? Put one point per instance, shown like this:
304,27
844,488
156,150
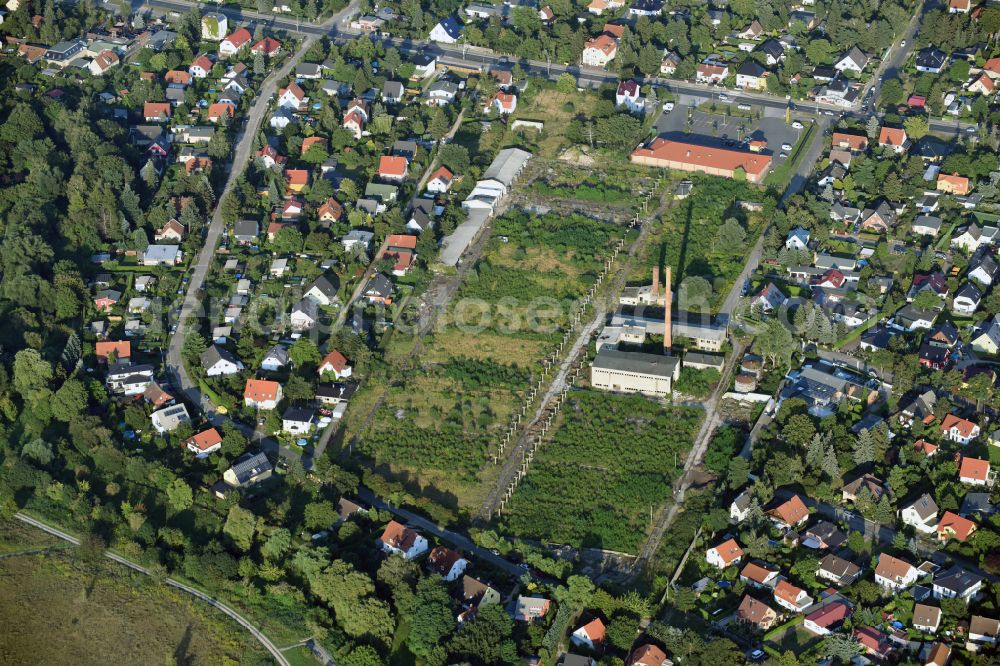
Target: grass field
439,423
610,460
103,613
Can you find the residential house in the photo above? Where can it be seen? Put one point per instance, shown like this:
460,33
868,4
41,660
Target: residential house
893,573
838,570
823,535
204,443
982,85
268,46
218,361
322,291
599,51
976,472
628,96
983,268
233,42
854,60
161,255
967,299
958,429
397,539
931,59
953,184
758,576
440,181
248,470
768,299
214,26
275,359
292,98
424,65
740,507
926,225
974,237
590,635
957,583
648,654
921,514
954,526
379,290
711,72
503,103
926,618
102,62
529,609
336,364
167,419
873,642
330,211
751,76
789,513
200,67
297,420
987,339
172,230
156,112
447,31
874,485
448,563
756,613
112,351
894,139
726,553
392,92
984,630
827,618
262,394
392,168
791,597
304,316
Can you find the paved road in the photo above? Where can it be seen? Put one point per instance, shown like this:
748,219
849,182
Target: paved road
257,633
193,306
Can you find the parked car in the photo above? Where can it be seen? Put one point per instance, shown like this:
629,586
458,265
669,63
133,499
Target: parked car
797,125
668,107
786,146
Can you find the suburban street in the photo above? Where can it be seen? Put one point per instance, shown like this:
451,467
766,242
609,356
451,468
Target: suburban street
242,621
194,306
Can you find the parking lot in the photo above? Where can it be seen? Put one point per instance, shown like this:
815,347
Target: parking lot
717,129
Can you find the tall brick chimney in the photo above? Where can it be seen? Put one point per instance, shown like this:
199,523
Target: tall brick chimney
656,283
668,296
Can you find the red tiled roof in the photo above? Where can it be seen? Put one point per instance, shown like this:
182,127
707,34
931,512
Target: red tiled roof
787,592
729,551
311,141
336,360
261,389
267,46
755,573
216,111
202,61
974,469
392,165
297,176
955,526
791,512
205,440
830,615
647,655
614,29
964,427
238,38
594,630
891,136
398,536
442,559
332,208
892,568
444,174
704,156
853,141
604,43
121,348
156,110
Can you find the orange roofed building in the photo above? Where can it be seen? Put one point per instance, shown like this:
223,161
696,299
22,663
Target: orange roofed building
714,161
397,539
205,442
122,350
262,394
953,184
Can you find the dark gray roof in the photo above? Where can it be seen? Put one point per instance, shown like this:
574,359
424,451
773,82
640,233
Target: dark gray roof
214,354
646,364
245,228
298,414
325,286
379,285
957,579
925,506
250,465
751,68
977,503
839,567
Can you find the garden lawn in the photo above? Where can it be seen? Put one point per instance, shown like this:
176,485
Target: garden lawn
610,459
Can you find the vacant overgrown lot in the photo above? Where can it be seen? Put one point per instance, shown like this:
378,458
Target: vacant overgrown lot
610,459
696,241
439,421
59,610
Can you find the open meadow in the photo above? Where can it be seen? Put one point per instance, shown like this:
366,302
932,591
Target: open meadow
59,609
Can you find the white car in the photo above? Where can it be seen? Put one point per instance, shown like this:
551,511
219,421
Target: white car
743,107
724,97
668,107
797,125
786,146
902,44
783,155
